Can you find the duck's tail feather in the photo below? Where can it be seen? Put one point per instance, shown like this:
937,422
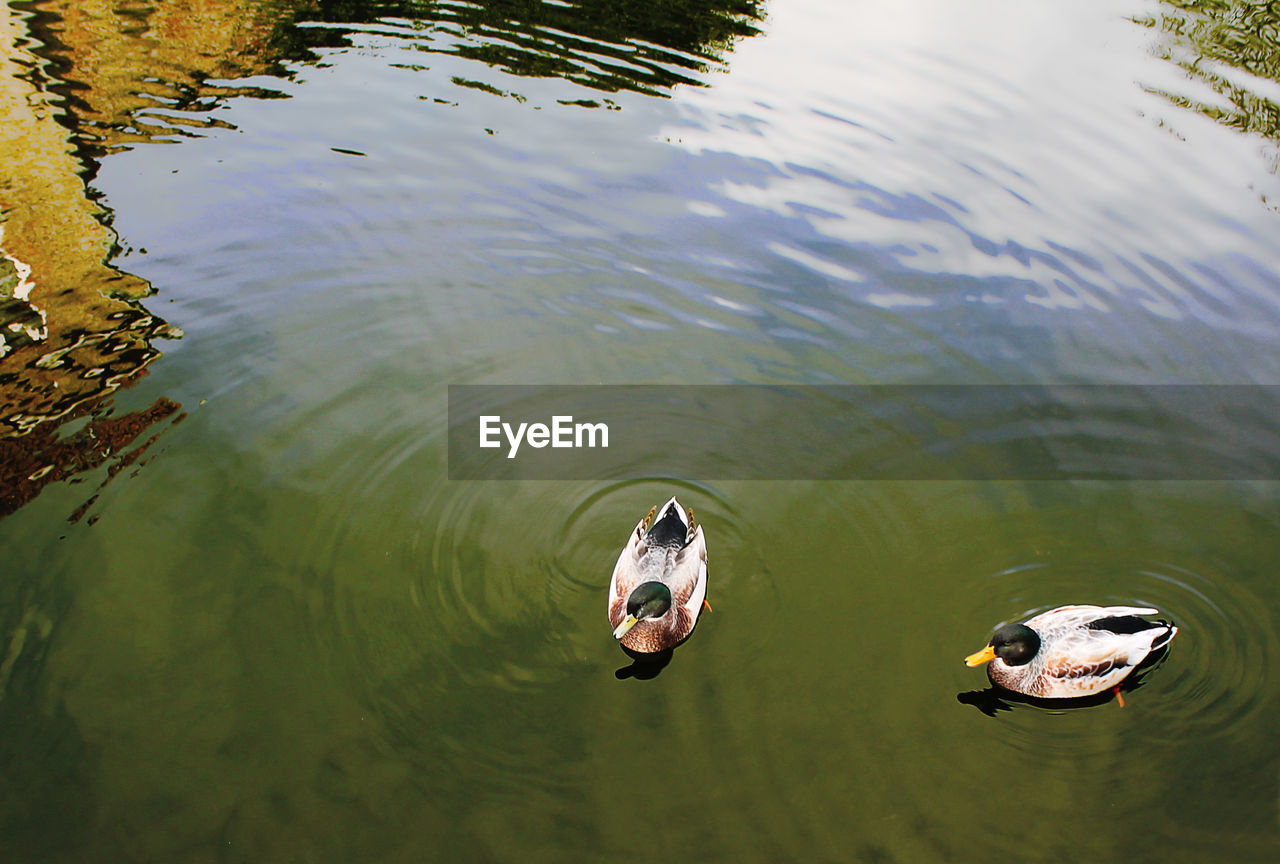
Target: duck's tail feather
1166,637
671,528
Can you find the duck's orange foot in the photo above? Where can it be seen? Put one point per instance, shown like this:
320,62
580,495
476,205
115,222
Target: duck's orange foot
1119,695
706,605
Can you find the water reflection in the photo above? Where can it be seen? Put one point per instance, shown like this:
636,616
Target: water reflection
130,73
644,667
1232,48
604,45
83,80
74,331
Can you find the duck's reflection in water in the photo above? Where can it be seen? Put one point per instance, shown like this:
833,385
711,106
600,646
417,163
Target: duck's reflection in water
995,699
644,666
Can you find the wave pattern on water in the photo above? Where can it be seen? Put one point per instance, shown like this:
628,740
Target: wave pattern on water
1206,687
1209,693
467,637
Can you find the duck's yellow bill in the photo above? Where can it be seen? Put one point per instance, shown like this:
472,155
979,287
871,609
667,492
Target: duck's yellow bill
983,656
627,624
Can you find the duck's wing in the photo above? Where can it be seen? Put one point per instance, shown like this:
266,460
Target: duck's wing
688,577
1091,659
688,583
1066,618
626,574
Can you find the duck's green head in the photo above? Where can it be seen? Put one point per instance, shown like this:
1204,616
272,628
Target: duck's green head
1015,644
647,600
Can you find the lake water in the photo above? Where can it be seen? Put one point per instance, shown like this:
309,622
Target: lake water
247,615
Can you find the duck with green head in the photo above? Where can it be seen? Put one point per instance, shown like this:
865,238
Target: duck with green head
1073,651
659,585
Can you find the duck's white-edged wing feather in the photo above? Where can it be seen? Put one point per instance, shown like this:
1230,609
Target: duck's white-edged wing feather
1084,662
692,560
1071,617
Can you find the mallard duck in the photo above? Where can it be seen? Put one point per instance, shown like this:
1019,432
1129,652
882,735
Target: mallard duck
1072,651
659,585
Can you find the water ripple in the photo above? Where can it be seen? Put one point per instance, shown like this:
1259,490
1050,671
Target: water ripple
1207,686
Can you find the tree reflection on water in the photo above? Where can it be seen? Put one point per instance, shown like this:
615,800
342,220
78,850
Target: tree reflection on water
73,328
80,79
604,45
1233,48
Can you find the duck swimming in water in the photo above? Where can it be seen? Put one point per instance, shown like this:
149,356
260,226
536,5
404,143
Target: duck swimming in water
659,585
1072,651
